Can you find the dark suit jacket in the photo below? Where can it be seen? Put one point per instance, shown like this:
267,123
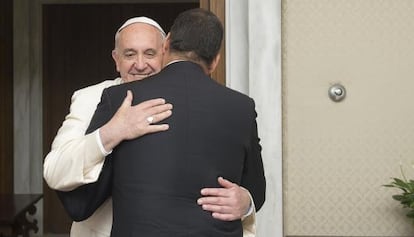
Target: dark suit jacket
158,177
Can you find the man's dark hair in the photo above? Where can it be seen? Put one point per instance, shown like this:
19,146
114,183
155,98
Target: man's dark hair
197,31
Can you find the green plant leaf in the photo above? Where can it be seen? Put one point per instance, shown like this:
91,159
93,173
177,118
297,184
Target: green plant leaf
406,197
402,184
410,214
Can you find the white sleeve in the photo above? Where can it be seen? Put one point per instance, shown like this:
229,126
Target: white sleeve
100,144
249,219
75,158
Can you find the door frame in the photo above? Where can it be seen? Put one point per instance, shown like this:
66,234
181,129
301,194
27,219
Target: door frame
28,104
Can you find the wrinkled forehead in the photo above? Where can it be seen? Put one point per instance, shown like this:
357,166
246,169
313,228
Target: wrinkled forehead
139,37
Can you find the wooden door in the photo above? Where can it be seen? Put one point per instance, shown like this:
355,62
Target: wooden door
77,45
6,97
218,8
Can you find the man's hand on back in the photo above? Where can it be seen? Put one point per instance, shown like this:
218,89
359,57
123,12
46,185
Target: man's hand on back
231,202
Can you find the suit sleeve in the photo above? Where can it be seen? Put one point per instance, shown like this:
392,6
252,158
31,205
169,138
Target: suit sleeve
75,158
82,202
253,178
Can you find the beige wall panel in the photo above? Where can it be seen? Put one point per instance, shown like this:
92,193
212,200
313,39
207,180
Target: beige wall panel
337,155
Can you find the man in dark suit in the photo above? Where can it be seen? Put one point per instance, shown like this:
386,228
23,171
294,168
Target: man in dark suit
213,133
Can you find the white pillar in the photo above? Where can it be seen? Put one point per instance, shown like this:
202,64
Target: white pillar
253,44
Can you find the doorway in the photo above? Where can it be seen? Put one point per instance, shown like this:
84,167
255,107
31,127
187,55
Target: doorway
77,45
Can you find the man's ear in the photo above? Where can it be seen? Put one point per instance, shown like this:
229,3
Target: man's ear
213,64
115,58
166,44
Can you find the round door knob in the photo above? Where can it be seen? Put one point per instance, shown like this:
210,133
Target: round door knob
337,92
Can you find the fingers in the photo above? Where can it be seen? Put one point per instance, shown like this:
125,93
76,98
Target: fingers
128,99
224,217
225,183
157,128
151,128
159,112
213,192
224,213
227,203
155,108
215,197
130,122
219,191
150,107
222,208
218,208
221,212
151,103
160,116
